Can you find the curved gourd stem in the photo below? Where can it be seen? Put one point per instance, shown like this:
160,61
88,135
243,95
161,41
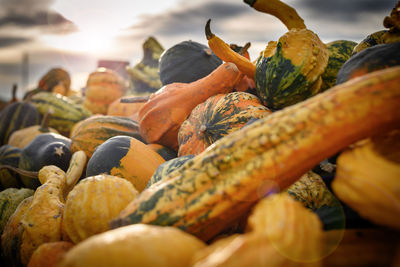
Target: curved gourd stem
392,22
76,167
136,99
287,14
225,53
29,174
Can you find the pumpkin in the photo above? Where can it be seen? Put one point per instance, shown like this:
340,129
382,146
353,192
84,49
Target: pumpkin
215,188
23,137
144,75
165,152
103,86
95,130
186,62
339,52
9,201
92,203
218,116
49,254
162,115
65,112
166,168
45,149
140,245
130,110
16,116
371,59
9,156
56,80
367,178
125,157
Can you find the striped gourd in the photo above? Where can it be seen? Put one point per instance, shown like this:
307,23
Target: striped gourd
217,117
65,112
94,131
215,188
339,52
9,155
16,116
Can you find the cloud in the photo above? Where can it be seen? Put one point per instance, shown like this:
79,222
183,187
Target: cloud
10,41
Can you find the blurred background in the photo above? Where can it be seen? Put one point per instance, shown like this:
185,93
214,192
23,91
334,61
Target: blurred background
80,35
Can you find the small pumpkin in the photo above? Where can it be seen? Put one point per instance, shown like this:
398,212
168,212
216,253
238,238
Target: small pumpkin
370,59
9,156
217,117
56,80
165,152
92,203
95,130
103,86
140,244
130,110
186,62
144,75
49,254
45,149
162,115
125,157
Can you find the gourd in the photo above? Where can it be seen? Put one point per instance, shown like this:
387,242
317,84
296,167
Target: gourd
130,110
162,115
367,178
141,245
95,130
9,156
49,254
16,116
9,201
103,86
279,224
56,80
125,157
144,75
45,149
186,62
218,116
390,35
339,52
166,168
23,137
370,59
92,203
165,152
65,112
37,220
215,188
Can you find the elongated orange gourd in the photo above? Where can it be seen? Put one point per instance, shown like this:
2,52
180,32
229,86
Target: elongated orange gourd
224,52
211,191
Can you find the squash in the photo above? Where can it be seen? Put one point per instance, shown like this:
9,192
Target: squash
215,188
9,201
218,116
95,130
165,152
144,75
166,168
339,52
45,149
49,254
367,178
130,110
162,115
65,112
371,59
56,80
125,157
103,86
9,156
92,203
139,245
16,116
186,62
23,137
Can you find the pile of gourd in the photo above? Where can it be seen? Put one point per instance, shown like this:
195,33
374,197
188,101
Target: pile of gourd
206,158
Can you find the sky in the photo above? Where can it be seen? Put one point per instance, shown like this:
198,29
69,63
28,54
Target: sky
75,34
